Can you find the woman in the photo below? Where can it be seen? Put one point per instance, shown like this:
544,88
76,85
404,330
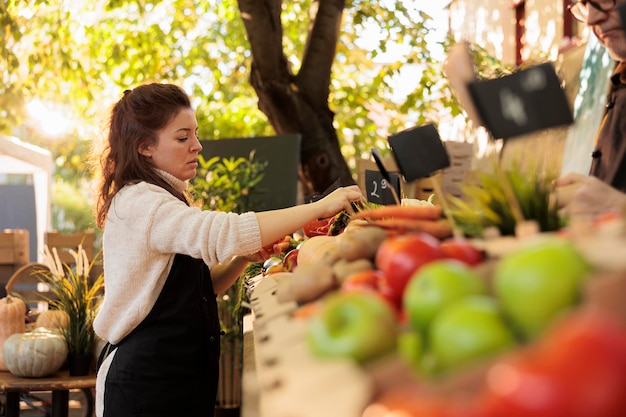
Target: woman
165,260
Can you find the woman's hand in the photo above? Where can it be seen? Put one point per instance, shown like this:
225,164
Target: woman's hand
586,196
338,200
276,224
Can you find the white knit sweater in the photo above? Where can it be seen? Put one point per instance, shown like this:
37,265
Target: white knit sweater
145,227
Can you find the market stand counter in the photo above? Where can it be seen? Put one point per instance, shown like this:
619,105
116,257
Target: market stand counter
59,384
289,381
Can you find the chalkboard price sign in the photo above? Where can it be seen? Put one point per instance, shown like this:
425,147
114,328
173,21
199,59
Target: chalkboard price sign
378,189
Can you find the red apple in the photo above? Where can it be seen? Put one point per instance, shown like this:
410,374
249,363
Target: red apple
399,257
462,250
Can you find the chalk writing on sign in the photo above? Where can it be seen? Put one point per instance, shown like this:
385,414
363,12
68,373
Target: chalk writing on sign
378,189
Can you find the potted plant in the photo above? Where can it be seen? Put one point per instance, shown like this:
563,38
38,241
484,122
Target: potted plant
230,184
79,296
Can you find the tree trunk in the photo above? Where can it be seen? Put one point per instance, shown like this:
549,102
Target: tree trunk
298,103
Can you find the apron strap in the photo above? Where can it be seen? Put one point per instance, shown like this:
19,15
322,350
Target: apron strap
106,350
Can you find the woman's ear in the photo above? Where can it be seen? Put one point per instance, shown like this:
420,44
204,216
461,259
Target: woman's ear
145,151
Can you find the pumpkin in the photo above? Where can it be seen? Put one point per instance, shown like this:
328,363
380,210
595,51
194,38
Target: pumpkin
34,354
53,319
12,312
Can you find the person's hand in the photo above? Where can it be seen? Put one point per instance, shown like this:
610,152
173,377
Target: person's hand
586,196
260,256
339,200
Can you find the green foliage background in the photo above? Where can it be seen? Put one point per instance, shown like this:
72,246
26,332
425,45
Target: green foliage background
78,57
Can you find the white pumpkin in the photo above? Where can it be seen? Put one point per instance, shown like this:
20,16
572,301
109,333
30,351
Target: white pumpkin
34,354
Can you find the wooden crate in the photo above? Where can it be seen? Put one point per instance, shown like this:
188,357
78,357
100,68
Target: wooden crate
14,247
63,242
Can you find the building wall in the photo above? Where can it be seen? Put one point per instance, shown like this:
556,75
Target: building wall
491,24
488,23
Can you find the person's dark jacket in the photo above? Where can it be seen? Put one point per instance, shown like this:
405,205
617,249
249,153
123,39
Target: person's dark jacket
609,155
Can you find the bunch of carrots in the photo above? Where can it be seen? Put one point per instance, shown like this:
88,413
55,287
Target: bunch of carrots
397,219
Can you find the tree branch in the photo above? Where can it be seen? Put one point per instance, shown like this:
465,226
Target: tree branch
265,34
313,80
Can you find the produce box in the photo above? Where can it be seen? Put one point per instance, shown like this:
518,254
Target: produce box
14,247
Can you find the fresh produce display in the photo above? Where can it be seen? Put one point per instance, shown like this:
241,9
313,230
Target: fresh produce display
577,369
446,326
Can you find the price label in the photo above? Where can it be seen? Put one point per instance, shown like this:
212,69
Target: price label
378,189
419,152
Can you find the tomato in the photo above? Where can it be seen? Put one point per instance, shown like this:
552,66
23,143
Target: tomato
372,280
389,293
407,400
398,257
462,250
365,280
587,353
318,227
577,370
519,387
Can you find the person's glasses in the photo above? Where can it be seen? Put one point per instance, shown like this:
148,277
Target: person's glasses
580,9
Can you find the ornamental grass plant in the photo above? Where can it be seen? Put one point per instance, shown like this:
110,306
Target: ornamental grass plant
74,292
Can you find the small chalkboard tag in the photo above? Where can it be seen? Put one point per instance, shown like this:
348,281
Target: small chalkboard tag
419,152
523,102
378,188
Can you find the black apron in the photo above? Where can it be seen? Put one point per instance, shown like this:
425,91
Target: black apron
169,365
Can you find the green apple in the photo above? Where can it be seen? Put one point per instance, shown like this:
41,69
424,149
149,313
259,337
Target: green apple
357,325
468,329
410,348
538,282
435,286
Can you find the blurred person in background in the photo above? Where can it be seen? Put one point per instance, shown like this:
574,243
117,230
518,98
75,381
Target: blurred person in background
580,195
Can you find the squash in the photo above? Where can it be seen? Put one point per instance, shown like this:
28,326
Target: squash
318,250
34,354
12,312
53,319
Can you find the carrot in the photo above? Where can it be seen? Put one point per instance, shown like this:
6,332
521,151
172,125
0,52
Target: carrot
440,229
396,211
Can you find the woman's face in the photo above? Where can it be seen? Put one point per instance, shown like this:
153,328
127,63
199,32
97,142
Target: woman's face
177,148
